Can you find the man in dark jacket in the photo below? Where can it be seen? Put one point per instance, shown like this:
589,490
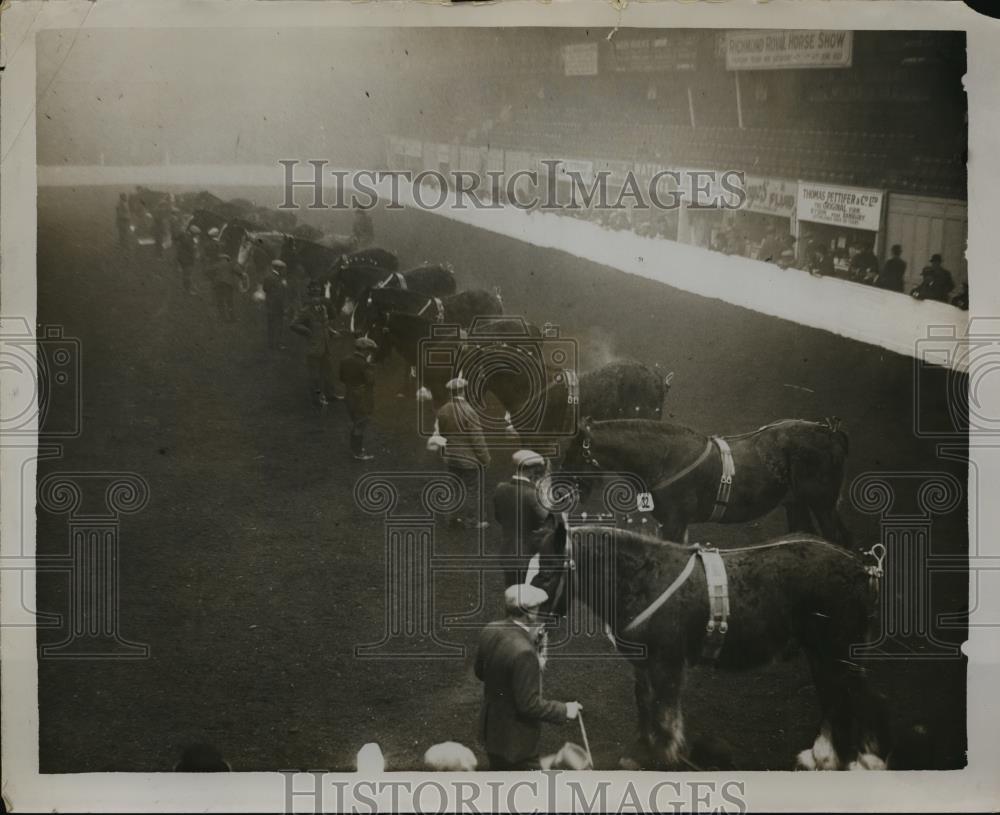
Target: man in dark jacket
223,274
465,452
358,375
187,256
520,513
275,287
864,265
509,665
892,274
313,322
936,284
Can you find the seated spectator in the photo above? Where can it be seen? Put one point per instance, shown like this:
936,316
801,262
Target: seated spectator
450,757
786,258
937,282
891,276
201,758
821,262
864,265
961,300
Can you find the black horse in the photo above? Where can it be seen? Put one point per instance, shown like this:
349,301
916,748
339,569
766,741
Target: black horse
350,283
796,590
461,308
795,462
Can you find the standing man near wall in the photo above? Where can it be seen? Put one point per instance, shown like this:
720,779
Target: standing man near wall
313,322
520,513
892,274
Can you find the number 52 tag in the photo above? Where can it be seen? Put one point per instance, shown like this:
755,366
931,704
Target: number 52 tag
644,502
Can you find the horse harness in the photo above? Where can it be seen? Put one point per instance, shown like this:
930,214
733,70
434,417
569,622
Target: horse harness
718,595
398,276
725,489
718,599
438,305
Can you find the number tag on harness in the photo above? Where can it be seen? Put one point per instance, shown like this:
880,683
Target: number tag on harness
644,502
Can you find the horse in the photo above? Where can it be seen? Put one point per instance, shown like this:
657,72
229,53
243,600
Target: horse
794,590
460,308
351,281
732,479
404,333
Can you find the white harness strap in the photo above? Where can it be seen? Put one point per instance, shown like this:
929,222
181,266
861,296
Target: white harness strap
718,599
653,607
437,305
725,482
718,603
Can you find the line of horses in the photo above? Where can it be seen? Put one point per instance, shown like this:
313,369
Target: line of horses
808,587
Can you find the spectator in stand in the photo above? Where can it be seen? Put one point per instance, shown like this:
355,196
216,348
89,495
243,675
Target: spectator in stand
891,276
770,247
961,300
937,282
821,261
864,265
786,258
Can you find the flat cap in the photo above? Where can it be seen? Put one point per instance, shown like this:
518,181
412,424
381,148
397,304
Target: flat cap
194,230
524,596
456,384
365,344
277,264
527,458
213,232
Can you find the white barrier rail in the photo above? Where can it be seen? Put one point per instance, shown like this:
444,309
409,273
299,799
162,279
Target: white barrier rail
886,319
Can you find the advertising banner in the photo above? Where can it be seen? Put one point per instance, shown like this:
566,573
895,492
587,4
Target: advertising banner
841,206
769,50
771,196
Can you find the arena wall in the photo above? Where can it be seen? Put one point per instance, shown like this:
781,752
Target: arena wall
889,320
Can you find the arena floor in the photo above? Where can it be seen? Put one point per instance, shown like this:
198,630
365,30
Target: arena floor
252,574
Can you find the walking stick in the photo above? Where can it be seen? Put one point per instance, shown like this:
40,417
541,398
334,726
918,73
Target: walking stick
586,741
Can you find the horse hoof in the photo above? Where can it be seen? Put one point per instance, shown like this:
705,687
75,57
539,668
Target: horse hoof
629,764
805,760
867,761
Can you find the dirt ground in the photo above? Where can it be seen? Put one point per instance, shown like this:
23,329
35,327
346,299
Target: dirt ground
252,574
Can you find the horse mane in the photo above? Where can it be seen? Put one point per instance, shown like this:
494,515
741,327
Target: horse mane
637,439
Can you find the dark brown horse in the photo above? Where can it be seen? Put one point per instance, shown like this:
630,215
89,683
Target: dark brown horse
794,462
460,308
796,590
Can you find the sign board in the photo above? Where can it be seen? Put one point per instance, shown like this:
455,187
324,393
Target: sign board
841,206
580,59
769,50
770,196
675,51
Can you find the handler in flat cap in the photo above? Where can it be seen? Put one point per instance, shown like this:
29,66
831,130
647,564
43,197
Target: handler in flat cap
465,452
520,513
358,375
509,665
